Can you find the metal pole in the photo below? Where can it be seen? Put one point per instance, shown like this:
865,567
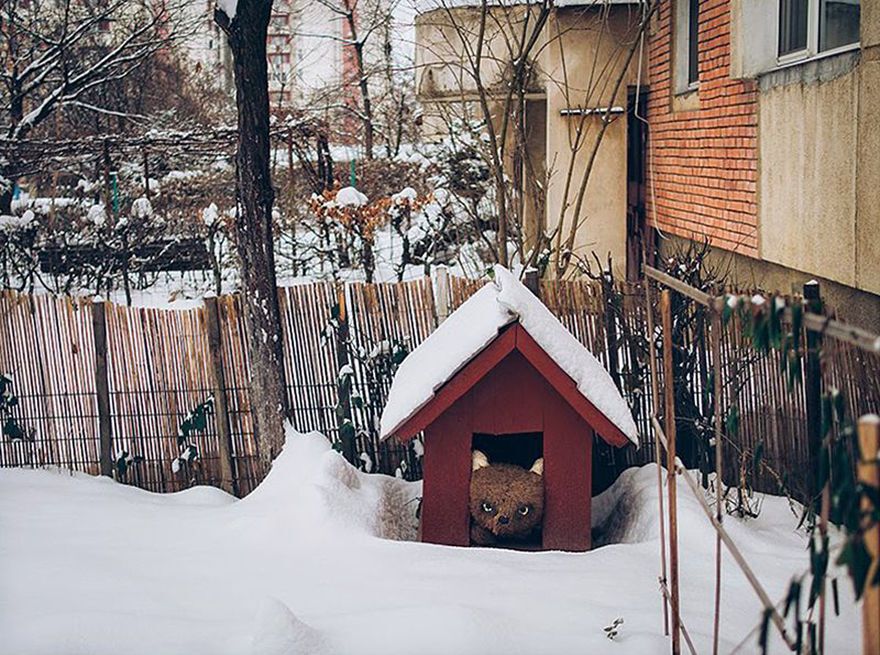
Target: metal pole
669,395
719,515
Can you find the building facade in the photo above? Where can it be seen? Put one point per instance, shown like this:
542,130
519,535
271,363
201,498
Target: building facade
581,53
764,140
304,50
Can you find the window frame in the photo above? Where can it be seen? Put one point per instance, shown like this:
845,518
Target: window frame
811,51
682,84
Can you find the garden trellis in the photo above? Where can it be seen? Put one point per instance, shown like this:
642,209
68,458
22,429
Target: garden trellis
780,326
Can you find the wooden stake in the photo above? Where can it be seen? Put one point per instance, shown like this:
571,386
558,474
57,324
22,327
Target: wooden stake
869,474
343,407
655,398
102,387
228,477
669,428
441,292
813,388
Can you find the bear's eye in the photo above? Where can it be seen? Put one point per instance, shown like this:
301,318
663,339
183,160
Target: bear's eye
487,507
523,510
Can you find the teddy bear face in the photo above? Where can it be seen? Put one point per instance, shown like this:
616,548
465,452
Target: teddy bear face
506,501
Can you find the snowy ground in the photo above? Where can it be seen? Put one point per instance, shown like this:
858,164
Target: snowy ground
307,564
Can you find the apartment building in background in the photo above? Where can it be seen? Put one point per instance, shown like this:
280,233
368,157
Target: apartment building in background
308,49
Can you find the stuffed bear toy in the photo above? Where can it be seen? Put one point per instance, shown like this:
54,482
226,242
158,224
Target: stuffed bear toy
507,501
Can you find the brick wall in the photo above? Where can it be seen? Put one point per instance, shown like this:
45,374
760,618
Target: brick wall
702,160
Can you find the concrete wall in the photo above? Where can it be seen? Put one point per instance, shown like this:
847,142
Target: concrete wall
819,145
812,119
602,220
850,305
574,41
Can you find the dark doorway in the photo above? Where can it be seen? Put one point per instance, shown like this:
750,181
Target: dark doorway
521,448
639,237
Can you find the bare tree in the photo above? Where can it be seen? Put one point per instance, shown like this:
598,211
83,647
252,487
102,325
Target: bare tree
496,55
246,28
382,104
57,53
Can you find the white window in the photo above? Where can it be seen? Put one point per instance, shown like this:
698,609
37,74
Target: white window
811,27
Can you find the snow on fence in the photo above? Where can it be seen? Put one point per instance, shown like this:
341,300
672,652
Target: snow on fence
163,367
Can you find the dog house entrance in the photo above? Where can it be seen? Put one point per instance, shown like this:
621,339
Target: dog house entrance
521,449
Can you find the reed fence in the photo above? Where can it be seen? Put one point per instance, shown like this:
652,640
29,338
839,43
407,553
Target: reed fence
160,364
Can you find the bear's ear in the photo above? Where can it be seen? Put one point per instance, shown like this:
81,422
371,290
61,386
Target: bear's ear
479,460
538,466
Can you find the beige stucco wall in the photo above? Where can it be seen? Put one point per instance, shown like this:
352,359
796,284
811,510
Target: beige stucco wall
819,145
575,38
850,305
602,221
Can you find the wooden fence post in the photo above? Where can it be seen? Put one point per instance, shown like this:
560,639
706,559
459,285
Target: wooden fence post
869,474
344,381
669,429
228,477
441,293
813,386
102,386
655,400
532,283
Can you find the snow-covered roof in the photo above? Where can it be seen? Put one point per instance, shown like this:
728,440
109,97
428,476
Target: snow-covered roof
472,327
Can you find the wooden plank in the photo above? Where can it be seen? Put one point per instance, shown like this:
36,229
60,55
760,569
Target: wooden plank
869,475
228,478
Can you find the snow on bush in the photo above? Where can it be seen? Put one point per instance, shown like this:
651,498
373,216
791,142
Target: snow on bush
97,215
141,208
350,197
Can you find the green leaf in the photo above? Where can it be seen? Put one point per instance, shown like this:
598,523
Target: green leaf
765,630
839,403
12,429
346,430
732,420
857,559
826,415
791,598
775,324
756,459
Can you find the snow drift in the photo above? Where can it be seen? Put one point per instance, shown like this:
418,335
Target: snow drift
312,562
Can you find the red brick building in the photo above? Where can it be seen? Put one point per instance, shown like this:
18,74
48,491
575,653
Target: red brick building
703,163
763,140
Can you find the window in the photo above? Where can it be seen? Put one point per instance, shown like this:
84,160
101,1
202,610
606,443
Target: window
838,23
811,27
693,42
687,45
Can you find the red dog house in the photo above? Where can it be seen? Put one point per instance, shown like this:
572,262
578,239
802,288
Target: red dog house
501,374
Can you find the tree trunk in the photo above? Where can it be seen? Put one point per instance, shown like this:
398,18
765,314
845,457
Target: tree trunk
253,224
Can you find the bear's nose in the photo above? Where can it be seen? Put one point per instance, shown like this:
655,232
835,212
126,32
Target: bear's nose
503,520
